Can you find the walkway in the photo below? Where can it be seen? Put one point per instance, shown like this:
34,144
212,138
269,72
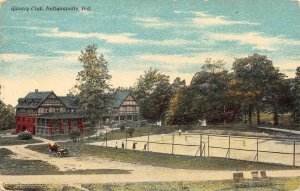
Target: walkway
142,174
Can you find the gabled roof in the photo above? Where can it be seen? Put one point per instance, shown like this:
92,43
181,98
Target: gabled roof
69,101
33,99
119,97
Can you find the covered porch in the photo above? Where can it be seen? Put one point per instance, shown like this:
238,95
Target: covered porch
53,124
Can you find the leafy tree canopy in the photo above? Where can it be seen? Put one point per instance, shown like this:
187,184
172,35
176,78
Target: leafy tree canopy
93,83
153,92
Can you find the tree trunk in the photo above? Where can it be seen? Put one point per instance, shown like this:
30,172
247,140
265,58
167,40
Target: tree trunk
245,118
250,115
275,117
224,115
258,116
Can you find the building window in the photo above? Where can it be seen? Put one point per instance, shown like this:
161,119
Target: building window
46,110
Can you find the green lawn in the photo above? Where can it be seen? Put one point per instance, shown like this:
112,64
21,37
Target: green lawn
40,187
163,160
273,184
13,131
4,141
12,166
278,184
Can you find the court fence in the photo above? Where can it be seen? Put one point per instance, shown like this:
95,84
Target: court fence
259,149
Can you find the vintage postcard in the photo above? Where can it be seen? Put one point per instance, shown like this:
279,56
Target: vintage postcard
150,95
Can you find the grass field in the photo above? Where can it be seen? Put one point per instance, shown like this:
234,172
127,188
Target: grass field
278,184
12,130
5,141
12,166
290,184
40,187
163,160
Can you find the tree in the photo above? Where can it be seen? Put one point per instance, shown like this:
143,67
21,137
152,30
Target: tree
177,84
180,108
153,92
254,77
93,84
7,115
209,87
278,96
296,95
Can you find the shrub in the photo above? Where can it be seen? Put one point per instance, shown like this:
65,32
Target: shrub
122,126
142,123
5,152
130,131
74,135
25,135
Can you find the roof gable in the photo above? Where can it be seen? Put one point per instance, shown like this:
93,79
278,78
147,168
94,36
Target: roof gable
70,102
52,96
33,99
121,96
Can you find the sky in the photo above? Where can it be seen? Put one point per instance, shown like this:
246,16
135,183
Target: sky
39,48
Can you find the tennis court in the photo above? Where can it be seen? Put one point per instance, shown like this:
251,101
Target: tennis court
284,151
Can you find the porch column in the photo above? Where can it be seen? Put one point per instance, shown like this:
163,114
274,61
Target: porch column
17,123
70,125
50,126
80,125
60,126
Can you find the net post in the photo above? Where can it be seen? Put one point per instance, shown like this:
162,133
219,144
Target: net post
126,140
173,144
148,142
208,145
294,154
257,150
201,145
106,137
229,147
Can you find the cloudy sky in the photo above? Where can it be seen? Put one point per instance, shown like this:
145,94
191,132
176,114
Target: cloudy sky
39,49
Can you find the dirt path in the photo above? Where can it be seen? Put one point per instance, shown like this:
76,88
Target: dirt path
148,175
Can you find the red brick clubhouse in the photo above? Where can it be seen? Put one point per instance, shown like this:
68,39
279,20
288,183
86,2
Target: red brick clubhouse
45,113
